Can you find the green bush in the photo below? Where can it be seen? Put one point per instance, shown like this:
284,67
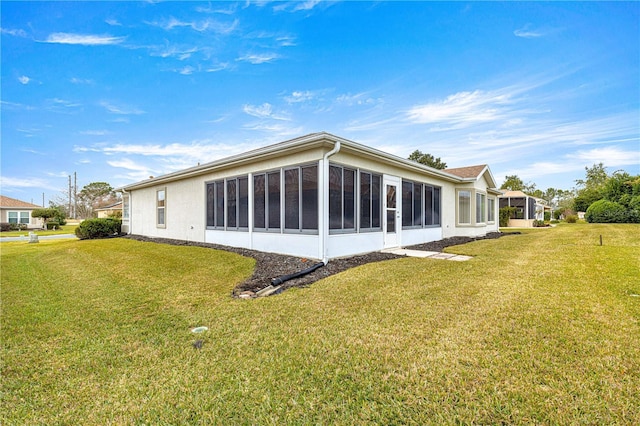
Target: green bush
603,211
505,214
572,218
98,228
53,225
547,216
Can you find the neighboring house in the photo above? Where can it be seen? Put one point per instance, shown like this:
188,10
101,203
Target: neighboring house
527,208
110,210
318,196
19,212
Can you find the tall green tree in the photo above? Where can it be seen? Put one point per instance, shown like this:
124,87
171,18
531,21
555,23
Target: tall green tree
514,183
590,189
427,160
94,196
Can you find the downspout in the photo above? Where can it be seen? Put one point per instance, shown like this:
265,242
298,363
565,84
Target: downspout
324,240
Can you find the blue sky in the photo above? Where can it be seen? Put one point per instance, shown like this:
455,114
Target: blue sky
121,91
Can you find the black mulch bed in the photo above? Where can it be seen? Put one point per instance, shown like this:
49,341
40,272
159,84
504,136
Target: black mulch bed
271,265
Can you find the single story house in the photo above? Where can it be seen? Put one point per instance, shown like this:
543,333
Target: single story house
527,208
110,210
19,212
318,196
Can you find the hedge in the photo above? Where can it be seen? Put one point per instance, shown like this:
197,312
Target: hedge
604,211
98,228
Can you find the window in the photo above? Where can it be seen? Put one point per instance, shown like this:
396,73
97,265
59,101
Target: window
237,203
491,211
161,196
464,207
342,198
431,205
125,206
19,217
370,205
273,200
411,204
215,204
481,208
298,189
301,198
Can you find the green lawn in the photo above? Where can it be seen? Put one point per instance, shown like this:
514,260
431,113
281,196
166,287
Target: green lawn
540,328
66,229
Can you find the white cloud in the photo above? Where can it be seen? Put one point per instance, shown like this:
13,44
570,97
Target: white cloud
95,132
362,98
76,80
212,25
258,58
113,22
24,79
264,111
84,39
26,182
462,109
16,33
119,109
611,156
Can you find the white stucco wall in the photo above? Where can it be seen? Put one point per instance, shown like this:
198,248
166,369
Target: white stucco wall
185,214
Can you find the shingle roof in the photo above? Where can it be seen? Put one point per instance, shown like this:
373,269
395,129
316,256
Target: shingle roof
467,172
12,202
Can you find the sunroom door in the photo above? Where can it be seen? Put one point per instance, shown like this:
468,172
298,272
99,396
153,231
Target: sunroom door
391,224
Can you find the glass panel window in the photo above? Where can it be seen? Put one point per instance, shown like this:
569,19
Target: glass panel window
24,218
219,204
376,203
125,206
243,202
491,209
342,198
335,197
292,199
365,200
161,208
210,204
310,197
13,217
411,204
436,206
428,205
481,208
231,204
464,207
407,203
259,203
273,196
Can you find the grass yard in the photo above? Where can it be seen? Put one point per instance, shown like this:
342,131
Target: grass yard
541,328
65,229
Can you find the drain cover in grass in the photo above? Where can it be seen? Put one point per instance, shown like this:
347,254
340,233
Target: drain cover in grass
200,329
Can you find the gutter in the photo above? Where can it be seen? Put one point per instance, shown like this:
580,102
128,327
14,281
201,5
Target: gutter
324,240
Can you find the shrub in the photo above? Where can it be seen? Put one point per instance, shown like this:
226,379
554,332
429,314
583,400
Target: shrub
572,218
53,225
5,226
547,216
505,215
98,228
539,224
603,211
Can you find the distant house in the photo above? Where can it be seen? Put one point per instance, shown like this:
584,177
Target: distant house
527,208
319,196
110,210
19,212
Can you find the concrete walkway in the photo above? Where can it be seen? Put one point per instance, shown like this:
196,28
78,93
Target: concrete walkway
25,238
429,254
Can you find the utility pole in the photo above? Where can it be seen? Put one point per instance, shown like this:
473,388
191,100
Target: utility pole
70,196
75,195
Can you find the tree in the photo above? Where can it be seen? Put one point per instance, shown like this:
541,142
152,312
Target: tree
514,183
427,160
45,214
93,196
